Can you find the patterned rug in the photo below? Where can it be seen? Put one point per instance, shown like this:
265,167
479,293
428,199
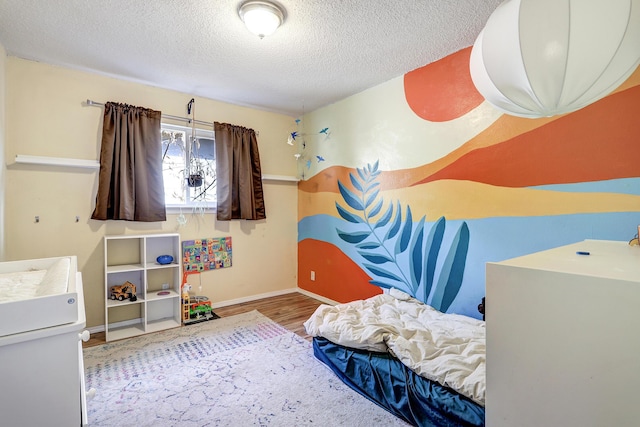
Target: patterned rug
244,370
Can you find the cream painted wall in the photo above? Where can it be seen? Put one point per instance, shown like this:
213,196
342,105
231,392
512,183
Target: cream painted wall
377,124
45,117
3,61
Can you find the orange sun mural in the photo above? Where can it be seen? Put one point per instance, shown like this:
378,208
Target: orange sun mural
443,90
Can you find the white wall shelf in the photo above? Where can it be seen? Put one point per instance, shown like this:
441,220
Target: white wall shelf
285,178
57,161
95,164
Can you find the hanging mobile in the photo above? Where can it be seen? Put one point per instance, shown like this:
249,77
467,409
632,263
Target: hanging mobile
194,178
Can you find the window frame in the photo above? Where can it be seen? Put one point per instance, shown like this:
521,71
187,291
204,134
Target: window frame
191,205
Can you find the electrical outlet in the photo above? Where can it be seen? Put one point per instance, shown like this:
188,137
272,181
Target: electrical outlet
165,286
313,275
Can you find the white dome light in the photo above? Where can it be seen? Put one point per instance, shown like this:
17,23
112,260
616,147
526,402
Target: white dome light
262,18
540,58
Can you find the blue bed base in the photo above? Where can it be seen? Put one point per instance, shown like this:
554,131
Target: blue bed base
387,382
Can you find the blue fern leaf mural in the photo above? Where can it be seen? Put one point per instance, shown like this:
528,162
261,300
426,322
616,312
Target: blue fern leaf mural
350,198
361,173
371,186
395,227
356,183
452,271
386,242
375,170
403,242
382,272
376,259
356,237
348,215
415,262
384,220
371,198
434,241
376,209
368,245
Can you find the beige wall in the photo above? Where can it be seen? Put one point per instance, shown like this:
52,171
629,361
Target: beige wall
3,61
45,117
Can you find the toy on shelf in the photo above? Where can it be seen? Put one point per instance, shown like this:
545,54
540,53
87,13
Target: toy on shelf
126,290
164,259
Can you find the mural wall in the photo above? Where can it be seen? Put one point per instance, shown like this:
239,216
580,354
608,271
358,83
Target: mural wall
420,183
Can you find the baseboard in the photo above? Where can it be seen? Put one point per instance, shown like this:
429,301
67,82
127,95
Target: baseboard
253,298
96,329
100,328
316,296
124,323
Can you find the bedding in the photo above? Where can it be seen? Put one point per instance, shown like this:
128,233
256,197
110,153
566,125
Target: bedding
446,348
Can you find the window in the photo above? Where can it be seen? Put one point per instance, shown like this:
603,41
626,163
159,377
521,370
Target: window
189,167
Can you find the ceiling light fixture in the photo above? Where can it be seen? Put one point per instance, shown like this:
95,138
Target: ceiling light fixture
539,58
262,18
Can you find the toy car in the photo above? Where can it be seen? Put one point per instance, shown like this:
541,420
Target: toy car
199,309
126,290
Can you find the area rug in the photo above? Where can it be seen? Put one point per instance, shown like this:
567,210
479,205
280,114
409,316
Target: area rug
244,370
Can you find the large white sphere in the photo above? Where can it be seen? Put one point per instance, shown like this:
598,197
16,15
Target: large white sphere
539,58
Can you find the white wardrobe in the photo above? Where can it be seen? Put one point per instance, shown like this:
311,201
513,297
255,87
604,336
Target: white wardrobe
563,337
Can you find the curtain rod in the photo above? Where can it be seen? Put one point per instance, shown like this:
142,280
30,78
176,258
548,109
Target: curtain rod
166,116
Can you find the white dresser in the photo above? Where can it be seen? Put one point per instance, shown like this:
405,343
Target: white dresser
563,337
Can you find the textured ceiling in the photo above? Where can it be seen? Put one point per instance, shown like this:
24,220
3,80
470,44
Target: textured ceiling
325,51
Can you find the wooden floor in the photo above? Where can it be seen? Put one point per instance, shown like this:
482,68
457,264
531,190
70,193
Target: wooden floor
289,310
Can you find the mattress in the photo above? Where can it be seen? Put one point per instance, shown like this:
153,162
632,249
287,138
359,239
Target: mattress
386,381
37,294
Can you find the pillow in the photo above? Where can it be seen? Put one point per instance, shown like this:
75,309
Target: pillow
56,279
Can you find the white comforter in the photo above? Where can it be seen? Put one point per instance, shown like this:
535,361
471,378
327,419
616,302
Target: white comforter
446,348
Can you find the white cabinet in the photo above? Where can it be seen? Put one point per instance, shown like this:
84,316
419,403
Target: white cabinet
562,341
42,373
132,258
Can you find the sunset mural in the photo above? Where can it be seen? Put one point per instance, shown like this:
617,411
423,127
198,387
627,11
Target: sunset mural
518,185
